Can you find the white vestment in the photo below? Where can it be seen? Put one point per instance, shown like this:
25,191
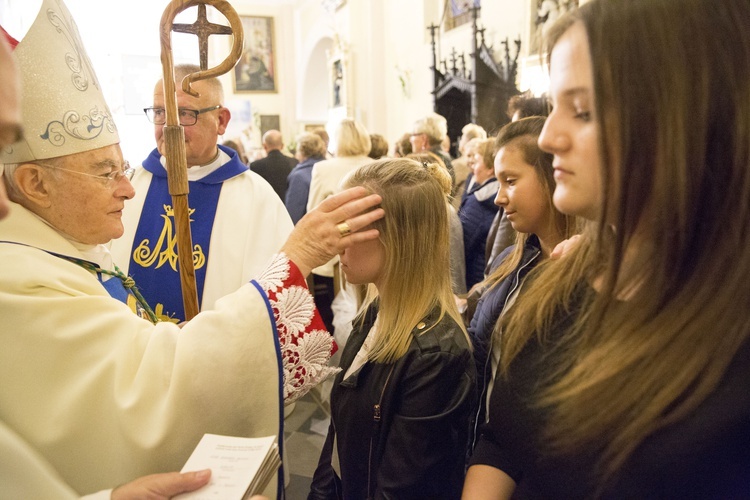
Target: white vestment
105,396
25,474
251,224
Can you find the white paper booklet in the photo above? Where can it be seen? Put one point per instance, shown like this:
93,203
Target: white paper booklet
240,467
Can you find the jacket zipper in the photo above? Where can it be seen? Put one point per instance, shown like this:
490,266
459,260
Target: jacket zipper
482,396
376,414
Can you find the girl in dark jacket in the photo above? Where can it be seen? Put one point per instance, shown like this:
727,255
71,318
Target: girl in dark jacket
526,183
400,406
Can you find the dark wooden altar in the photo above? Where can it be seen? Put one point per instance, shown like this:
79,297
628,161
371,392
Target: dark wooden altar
478,93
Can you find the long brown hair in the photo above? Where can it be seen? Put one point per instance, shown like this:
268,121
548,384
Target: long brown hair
523,135
670,308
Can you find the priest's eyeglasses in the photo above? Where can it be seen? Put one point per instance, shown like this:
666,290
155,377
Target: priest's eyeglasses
188,117
109,179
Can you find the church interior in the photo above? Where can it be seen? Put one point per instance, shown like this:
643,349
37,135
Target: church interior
377,61
308,64
479,249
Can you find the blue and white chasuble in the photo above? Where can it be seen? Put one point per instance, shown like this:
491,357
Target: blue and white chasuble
249,227
153,259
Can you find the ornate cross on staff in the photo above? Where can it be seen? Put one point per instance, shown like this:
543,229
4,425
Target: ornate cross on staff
174,134
202,28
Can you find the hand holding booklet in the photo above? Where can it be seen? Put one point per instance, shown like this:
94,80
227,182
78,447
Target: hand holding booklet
240,467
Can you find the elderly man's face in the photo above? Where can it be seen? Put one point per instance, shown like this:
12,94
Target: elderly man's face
86,208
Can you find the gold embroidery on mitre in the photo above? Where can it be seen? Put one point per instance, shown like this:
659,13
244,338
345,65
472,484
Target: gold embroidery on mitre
165,249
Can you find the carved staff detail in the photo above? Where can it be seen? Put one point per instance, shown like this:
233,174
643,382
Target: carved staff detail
174,134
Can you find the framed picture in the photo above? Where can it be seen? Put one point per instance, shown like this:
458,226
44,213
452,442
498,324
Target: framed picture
256,69
459,12
544,13
269,122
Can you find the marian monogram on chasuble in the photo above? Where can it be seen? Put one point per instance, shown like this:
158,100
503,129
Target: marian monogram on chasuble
153,257
164,251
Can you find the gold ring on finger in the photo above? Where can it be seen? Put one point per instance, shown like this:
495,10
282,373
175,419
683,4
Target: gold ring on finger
344,229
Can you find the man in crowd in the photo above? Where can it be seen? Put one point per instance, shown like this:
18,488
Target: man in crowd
237,221
427,136
276,166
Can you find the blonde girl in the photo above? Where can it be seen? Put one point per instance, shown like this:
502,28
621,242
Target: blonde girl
400,405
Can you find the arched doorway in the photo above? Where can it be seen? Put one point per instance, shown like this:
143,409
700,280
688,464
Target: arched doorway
314,92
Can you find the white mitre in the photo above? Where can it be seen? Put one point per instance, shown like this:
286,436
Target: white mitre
63,108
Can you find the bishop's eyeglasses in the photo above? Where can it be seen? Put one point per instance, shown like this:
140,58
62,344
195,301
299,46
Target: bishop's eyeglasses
188,117
109,179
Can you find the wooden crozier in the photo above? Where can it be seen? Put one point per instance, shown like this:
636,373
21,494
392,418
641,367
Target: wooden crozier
174,134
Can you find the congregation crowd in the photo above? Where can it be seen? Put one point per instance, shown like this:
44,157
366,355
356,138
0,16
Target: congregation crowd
553,309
